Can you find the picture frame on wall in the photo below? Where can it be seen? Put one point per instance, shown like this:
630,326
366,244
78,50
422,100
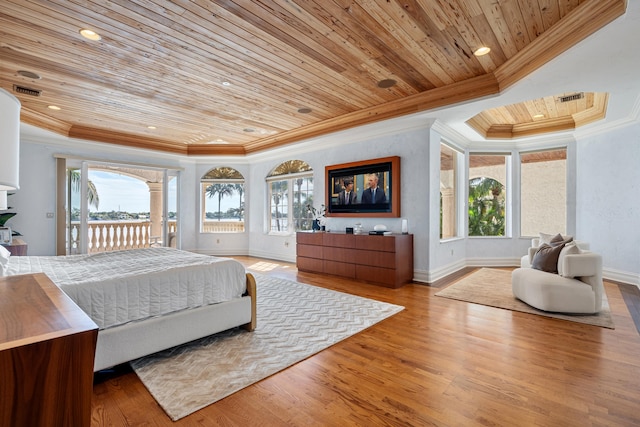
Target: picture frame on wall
5,236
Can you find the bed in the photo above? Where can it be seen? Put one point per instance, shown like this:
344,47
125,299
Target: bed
147,300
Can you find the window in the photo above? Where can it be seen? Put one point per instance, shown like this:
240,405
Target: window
543,192
290,189
449,159
222,207
487,194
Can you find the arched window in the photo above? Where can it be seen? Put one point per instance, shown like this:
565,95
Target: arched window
222,206
290,189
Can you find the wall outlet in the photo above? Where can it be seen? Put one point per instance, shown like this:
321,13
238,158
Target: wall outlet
50,215
218,241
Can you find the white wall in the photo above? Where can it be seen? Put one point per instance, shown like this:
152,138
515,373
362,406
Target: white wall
602,186
608,199
37,194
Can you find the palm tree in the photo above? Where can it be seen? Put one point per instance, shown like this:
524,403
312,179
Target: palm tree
92,191
486,207
239,188
278,189
221,190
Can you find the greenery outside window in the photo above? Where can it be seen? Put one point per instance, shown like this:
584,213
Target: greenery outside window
222,192
487,194
290,190
543,192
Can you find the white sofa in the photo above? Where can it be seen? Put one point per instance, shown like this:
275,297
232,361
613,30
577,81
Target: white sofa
577,288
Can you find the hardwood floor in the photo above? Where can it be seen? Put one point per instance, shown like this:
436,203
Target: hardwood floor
440,362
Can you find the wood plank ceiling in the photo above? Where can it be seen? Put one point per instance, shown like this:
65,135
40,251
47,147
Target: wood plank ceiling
563,112
241,76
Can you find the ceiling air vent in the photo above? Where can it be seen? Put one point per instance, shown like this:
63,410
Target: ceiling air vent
572,97
26,90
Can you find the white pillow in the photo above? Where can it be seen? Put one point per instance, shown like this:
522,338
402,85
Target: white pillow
4,259
4,255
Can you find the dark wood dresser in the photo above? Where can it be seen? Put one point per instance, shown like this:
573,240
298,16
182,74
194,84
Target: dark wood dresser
382,260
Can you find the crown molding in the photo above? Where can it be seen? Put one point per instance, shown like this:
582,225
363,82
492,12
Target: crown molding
600,128
367,132
33,134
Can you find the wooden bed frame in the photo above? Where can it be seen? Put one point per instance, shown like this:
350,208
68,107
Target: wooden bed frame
140,338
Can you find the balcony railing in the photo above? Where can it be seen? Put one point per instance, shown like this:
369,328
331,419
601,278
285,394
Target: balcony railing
105,236
215,226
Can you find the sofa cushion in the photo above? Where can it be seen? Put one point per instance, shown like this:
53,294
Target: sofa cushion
568,249
552,292
546,257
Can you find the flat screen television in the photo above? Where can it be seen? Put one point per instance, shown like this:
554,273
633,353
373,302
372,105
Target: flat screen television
369,188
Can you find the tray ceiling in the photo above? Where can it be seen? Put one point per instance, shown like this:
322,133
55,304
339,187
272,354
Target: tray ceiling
562,112
241,76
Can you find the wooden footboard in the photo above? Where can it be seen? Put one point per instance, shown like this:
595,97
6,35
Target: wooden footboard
252,292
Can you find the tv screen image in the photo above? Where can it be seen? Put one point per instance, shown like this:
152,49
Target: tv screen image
366,188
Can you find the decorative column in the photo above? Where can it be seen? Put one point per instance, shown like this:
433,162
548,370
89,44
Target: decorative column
448,213
155,209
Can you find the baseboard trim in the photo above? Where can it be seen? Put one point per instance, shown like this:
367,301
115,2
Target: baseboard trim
431,276
273,256
444,271
621,276
439,273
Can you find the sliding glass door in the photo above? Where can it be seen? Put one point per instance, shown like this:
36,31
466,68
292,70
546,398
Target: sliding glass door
124,207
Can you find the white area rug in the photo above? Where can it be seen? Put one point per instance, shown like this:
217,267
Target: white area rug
295,321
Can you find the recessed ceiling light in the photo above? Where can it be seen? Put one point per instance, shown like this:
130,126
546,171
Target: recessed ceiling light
151,127
248,130
304,110
386,83
482,50
538,116
90,34
226,83
54,107
29,74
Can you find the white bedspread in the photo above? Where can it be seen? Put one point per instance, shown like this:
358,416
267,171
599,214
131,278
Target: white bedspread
114,288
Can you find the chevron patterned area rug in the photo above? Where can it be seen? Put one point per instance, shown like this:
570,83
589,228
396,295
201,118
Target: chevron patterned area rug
295,321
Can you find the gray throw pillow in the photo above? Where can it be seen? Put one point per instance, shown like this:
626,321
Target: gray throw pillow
546,257
550,238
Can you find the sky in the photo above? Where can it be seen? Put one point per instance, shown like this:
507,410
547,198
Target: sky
123,193
126,194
